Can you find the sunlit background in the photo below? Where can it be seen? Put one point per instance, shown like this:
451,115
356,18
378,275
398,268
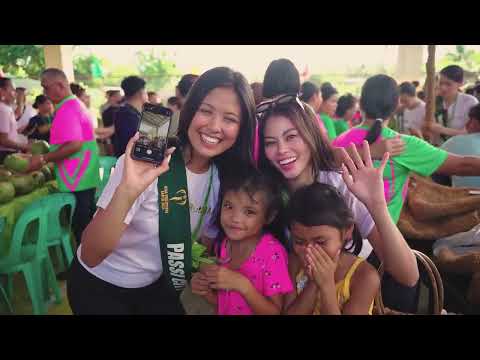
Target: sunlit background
100,67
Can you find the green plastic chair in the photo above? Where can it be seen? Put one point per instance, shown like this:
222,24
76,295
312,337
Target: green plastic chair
2,290
59,235
107,163
28,254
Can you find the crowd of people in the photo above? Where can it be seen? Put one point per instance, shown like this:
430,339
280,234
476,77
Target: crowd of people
293,189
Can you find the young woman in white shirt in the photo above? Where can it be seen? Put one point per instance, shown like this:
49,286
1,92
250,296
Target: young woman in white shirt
118,268
9,143
456,104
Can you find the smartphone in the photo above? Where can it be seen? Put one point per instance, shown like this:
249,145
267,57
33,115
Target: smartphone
154,129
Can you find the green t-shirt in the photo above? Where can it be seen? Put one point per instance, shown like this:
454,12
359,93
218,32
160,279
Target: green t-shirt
329,126
340,126
419,157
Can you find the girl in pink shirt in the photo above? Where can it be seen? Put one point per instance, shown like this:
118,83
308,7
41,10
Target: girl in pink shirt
252,275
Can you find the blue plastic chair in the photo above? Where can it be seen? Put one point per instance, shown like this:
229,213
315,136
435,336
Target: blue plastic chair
28,254
107,163
59,234
2,290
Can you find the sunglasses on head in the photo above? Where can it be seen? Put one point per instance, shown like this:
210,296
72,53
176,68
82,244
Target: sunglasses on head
268,105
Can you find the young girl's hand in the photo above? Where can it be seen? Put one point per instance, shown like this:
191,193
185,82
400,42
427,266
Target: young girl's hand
394,146
138,175
199,284
321,267
223,278
362,179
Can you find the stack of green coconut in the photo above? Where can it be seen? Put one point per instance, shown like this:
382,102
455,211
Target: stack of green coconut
14,181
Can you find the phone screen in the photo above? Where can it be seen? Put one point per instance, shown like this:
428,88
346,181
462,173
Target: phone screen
154,130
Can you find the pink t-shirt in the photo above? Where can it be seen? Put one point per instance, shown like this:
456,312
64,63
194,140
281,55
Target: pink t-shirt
72,122
323,130
267,270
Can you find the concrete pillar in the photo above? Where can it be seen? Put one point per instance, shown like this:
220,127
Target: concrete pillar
410,62
60,57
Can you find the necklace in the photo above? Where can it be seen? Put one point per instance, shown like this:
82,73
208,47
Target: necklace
450,119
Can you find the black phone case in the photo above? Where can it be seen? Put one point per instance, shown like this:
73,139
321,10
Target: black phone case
150,154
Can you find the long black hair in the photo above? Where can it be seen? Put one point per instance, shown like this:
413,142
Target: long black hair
345,103
378,101
281,77
321,204
222,77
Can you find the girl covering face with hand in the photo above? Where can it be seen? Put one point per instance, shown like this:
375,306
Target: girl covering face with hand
328,279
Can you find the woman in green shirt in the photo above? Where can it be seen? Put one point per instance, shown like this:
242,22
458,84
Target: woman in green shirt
328,108
378,102
346,109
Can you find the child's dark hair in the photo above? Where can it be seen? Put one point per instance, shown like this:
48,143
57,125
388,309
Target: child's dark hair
186,83
77,89
307,90
327,91
345,102
251,181
407,89
322,204
453,72
378,101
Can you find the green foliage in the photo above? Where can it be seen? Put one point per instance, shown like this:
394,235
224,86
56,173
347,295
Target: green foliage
114,76
85,67
157,71
22,60
468,59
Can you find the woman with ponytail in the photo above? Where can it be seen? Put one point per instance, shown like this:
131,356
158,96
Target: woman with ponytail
379,100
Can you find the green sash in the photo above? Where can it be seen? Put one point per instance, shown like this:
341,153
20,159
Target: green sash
175,234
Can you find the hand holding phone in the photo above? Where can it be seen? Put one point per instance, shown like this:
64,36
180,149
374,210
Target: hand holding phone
154,130
139,175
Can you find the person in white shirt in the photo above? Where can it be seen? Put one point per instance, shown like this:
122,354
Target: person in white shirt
456,104
118,268
466,145
414,109
9,143
23,113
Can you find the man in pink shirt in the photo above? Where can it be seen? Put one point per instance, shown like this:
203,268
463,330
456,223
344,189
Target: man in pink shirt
73,148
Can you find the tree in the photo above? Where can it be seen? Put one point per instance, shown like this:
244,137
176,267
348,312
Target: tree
430,92
157,71
22,60
88,69
468,59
